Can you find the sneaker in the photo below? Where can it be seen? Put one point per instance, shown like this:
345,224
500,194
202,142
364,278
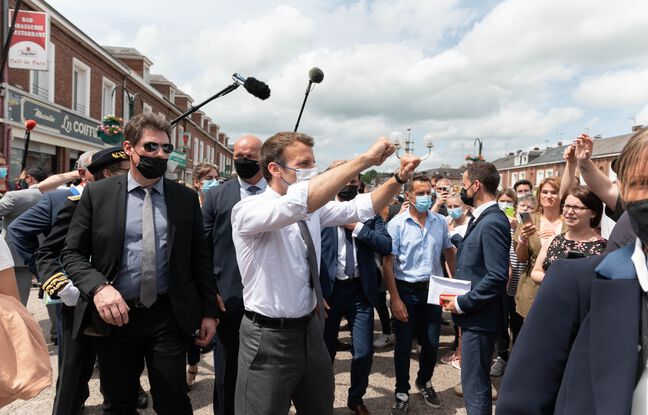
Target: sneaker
384,340
449,358
400,404
456,363
499,365
429,395
458,390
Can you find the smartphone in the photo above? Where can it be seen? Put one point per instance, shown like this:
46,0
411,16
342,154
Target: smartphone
571,254
525,218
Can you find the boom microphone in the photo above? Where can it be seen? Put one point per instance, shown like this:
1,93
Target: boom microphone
316,75
253,86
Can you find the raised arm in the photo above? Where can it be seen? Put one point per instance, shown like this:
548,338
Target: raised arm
56,180
596,180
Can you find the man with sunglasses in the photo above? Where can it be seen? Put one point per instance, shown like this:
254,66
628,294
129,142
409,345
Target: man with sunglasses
137,252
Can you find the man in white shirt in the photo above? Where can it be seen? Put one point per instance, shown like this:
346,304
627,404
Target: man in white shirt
282,356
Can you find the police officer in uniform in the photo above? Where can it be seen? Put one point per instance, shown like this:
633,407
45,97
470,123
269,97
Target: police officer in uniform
79,353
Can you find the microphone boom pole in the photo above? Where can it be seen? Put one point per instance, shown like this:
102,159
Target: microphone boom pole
193,109
315,75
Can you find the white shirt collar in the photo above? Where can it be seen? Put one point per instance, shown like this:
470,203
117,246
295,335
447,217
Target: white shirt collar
478,211
261,184
639,260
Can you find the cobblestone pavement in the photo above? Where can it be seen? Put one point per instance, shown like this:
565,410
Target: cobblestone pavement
378,399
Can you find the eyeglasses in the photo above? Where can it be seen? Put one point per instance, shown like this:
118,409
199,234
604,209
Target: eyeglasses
152,147
575,208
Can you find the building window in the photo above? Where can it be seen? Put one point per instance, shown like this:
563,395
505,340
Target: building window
146,108
549,173
147,73
80,87
107,97
201,152
514,177
539,176
172,94
522,175
126,107
42,82
195,150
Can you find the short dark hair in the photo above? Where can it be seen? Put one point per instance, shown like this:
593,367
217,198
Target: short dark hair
436,177
38,173
420,177
112,167
146,121
522,182
273,148
590,200
487,175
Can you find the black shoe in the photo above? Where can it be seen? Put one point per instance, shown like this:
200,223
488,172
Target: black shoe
342,347
429,394
142,399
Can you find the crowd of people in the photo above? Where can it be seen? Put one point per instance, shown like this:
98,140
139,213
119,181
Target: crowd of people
141,273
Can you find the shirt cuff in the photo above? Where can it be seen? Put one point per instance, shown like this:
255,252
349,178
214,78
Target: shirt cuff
357,229
364,207
459,311
297,194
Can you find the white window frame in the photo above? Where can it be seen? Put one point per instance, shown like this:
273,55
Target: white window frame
201,152
146,73
195,150
126,106
539,176
172,93
78,65
107,84
146,108
51,69
514,177
522,175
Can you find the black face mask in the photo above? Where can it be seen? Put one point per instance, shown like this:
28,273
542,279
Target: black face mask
348,192
22,184
465,198
246,168
638,215
152,167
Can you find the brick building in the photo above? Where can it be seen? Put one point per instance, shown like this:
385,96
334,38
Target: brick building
537,164
83,83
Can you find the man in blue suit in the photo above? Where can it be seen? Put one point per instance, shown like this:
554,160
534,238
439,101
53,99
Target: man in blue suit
348,275
482,259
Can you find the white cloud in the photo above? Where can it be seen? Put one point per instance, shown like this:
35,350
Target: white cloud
518,74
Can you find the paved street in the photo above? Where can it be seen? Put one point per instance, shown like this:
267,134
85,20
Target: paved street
379,396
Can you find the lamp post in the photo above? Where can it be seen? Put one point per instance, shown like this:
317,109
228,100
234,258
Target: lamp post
131,98
401,141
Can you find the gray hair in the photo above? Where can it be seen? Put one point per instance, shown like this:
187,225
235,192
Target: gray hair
529,197
84,160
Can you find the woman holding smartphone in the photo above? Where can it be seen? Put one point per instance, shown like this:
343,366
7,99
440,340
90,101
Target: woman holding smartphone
534,231
582,211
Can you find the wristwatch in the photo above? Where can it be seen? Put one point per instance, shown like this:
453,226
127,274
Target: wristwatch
398,178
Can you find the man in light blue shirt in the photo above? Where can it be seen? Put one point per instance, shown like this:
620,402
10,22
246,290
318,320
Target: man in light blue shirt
419,237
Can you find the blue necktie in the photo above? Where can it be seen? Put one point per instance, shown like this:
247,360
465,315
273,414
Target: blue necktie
253,190
349,262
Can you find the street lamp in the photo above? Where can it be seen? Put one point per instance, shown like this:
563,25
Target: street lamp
131,98
399,140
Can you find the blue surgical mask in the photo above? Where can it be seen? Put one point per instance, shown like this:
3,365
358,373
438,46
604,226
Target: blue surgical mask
208,184
455,213
423,203
3,172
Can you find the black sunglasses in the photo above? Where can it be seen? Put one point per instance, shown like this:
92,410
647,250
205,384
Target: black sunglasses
151,147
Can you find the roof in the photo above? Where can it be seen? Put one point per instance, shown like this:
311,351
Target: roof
445,171
156,78
602,147
126,52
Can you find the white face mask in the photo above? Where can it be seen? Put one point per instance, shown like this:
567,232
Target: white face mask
504,205
304,175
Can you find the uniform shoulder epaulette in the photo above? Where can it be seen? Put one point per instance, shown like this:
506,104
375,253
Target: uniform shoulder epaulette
74,198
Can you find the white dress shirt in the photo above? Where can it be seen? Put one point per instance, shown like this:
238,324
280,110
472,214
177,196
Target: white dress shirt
271,253
341,256
640,396
244,186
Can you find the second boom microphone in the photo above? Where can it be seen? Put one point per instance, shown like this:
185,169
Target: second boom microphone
253,86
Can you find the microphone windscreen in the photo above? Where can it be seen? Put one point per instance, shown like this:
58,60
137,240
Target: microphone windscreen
316,75
257,88
30,125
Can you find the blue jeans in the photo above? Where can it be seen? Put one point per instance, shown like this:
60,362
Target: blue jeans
424,323
348,300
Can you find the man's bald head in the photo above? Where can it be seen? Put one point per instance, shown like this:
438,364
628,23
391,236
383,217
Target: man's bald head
248,146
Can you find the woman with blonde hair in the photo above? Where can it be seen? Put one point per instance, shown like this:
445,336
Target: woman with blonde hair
532,234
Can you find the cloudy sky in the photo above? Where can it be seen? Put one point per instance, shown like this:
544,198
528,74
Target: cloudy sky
515,73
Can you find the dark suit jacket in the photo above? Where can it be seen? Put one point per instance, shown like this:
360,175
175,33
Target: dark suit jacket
483,259
38,220
94,246
372,238
577,352
217,217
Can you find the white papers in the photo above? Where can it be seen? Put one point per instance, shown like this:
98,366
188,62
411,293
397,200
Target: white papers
440,285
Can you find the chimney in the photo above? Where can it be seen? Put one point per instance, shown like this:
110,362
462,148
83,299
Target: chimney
560,143
598,136
636,128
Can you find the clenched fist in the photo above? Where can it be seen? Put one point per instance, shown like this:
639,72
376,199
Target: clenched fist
379,152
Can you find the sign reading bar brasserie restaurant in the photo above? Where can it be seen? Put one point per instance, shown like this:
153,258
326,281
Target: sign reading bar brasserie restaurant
28,48
56,120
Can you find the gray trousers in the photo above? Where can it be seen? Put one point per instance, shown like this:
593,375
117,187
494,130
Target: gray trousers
276,366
